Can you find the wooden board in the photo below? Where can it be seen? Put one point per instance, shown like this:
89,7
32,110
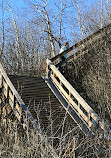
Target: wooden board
54,74
5,89
11,99
0,80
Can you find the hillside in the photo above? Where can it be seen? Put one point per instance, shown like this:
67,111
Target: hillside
90,75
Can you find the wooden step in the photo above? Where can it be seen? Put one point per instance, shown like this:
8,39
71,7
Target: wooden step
35,90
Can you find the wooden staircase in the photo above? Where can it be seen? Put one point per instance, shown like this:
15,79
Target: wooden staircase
38,96
46,101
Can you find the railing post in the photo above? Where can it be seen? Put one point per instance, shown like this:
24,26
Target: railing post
78,103
47,68
6,89
0,80
11,99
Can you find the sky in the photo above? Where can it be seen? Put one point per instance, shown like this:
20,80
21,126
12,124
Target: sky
21,9
19,5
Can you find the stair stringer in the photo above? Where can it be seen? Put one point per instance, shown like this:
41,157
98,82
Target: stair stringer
28,115
17,98
67,106
94,122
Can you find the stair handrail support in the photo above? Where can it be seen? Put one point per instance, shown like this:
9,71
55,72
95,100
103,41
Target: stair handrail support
17,100
72,96
82,44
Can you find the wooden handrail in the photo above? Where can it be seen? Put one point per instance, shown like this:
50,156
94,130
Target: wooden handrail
71,95
13,94
75,100
16,99
90,37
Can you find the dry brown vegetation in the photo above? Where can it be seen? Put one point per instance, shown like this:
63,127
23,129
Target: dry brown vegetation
20,143
24,47
90,75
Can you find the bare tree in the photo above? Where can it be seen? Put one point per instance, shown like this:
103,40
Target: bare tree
3,36
80,20
50,20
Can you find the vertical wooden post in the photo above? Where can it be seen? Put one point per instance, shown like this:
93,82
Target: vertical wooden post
0,80
18,111
5,89
47,70
11,99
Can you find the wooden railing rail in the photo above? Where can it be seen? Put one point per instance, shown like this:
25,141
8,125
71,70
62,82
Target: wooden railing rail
71,95
82,44
15,100
19,106
75,54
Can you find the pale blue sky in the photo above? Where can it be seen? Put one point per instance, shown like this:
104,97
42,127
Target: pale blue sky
20,8
19,5
22,12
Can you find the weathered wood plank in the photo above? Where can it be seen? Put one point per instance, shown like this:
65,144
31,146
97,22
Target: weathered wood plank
73,92
5,89
19,109
80,112
19,99
11,96
76,54
89,39
0,80
11,99
17,115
